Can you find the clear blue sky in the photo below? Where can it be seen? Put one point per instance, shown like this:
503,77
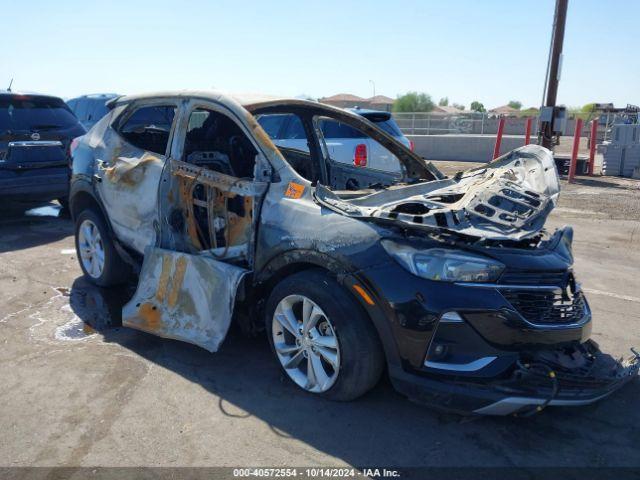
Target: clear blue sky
492,51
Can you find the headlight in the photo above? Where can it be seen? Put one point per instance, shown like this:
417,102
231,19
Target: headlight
444,265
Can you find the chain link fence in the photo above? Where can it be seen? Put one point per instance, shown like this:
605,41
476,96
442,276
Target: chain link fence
472,123
421,123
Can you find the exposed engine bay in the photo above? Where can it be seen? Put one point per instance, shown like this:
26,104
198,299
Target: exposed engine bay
509,199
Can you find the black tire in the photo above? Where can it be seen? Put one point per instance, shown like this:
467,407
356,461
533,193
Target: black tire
362,357
115,271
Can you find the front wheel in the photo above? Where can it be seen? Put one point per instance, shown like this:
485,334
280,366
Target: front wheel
322,337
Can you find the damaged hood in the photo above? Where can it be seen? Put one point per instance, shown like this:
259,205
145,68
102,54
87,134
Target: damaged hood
508,199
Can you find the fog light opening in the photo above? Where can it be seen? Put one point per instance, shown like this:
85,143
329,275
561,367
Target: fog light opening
438,351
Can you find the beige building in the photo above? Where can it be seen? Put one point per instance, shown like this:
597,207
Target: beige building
346,100
503,111
450,110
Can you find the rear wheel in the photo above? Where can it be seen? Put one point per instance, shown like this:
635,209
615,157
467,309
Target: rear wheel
97,254
322,338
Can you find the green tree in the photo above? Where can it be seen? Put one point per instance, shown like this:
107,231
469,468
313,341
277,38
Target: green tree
476,106
413,102
588,108
444,101
459,106
515,104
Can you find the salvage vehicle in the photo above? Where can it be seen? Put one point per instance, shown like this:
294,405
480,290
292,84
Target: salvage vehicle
36,132
452,284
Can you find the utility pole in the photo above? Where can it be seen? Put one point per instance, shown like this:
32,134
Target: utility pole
553,71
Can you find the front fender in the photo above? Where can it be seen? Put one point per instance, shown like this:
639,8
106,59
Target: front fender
292,261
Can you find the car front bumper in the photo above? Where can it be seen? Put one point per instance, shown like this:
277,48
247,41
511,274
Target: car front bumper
488,348
511,395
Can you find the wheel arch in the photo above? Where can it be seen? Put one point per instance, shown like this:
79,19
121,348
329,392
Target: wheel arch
294,261
82,197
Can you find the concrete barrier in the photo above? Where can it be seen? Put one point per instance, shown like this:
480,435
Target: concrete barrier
469,148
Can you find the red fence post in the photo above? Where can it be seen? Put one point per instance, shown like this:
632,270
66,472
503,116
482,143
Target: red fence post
574,152
527,131
496,147
592,145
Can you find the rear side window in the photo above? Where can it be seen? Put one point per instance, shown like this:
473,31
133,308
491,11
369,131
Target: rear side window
334,129
19,113
389,126
148,127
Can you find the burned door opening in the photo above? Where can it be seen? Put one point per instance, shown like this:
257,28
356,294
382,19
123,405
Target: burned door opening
216,212
208,208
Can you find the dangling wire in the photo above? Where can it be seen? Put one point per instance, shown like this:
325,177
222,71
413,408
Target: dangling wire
548,373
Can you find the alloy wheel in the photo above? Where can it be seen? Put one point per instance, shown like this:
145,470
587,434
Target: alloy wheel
91,248
306,344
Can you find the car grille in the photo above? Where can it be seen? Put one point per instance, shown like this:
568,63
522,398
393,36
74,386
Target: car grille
518,277
547,307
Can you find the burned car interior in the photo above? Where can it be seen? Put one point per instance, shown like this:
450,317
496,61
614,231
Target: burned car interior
473,302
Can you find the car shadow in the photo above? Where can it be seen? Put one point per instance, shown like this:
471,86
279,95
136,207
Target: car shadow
27,225
595,182
382,427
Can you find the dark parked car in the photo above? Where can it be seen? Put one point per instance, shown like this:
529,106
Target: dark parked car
90,108
36,132
452,284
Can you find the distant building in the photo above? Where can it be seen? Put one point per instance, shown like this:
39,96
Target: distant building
503,111
380,102
346,100
447,109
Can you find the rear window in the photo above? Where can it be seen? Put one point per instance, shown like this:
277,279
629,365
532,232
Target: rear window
389,126
385,122
34,113
334,129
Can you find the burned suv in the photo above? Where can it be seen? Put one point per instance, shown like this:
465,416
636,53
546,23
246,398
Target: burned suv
452,284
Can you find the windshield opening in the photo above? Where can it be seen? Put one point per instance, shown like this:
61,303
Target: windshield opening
342,151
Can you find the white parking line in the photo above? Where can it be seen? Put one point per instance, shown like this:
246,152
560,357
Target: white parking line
613,295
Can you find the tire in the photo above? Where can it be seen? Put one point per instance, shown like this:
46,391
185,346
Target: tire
113,270
359,355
